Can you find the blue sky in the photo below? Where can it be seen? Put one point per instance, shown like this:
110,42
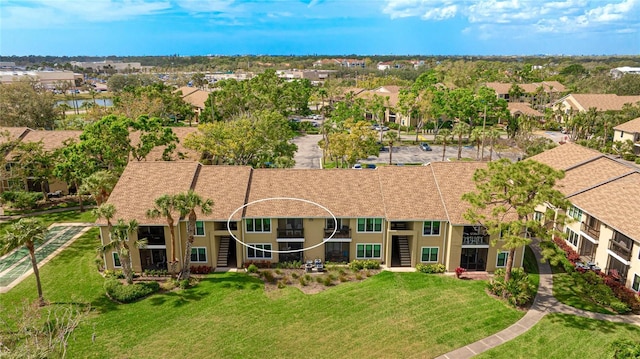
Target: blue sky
331,27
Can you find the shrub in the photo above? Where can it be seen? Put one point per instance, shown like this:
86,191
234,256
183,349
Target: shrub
319,280
278,271
201,269
129,293
295,275
619,307
430,268
184,284
459,271
357,265
303,281
625,349
21,199
343,278
117,274
289,265
327,280
252,268
638,161
281,284
268,275
358,276
259,264
518,290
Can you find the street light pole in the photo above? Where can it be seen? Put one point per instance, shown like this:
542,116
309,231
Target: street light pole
484,125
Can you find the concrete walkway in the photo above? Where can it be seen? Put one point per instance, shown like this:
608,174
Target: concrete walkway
543,304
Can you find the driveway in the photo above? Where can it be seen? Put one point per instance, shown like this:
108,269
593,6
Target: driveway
309,154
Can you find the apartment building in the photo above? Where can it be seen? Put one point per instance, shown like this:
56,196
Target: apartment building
603,223
629,130
399,216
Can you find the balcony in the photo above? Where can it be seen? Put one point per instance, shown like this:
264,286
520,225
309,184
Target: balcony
592,229
401,226
343,232
621,248
290,233
222,226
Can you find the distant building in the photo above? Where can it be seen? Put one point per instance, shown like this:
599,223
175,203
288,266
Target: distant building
47,79
629,130
618,72
349,63
107,65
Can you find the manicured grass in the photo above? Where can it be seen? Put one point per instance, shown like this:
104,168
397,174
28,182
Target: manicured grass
72,216
565,336
531,267
572,293
230,315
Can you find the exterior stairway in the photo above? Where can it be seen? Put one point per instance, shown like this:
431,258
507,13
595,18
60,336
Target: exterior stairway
405,255
223,252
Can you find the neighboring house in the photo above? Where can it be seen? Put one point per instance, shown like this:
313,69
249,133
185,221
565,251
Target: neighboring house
382,66
601,102
552,89
392,94
523,109
288,209
603,225
618,72
349,63
629,130
195,97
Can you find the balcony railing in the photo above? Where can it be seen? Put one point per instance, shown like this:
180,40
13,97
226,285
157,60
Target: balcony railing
290,233
593,231
621,249
222,226
344,232
400,226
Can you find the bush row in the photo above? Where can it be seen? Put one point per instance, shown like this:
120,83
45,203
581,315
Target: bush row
201,269
21,199
129,293
430,268
357,265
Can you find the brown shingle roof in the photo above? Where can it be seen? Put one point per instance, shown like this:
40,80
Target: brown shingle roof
592,173
614,203
455,179
602,102
197,98
523,108
142,182
565,156
500,88
345,192
410,193
51,140
14,133
226,186
632,126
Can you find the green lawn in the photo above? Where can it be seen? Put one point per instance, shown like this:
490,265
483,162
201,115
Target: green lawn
569,292
72,216
230,315
565,336
531,267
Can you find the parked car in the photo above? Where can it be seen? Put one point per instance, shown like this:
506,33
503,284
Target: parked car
425,146
371,166
357,166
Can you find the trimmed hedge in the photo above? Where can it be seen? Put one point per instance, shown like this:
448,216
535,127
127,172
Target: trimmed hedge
357,265
430,268
129,293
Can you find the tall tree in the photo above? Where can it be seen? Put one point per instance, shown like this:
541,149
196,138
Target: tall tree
460,129
164,206
392,138
445,137
119,241
186,203
25,103
33,162
26,232
506,198
99,185
70,166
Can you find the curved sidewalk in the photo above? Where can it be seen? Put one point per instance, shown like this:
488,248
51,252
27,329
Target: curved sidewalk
543,304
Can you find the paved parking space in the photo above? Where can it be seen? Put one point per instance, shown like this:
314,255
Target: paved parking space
309,154
413,154
16,266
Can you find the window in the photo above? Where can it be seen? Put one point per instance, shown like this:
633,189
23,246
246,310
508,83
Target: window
256,253
369,224
331,224
502,259
429,254
572,237
368,251
636,283
198,254
199,228
431,228
116,260
258,225
575,212
538,216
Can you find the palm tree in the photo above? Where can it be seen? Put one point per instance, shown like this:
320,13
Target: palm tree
186,203
164,206
26,233
493,135
477,136
119,241
460,129
99,185
392,137
445,136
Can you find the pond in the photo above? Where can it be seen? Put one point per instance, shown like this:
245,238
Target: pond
105,102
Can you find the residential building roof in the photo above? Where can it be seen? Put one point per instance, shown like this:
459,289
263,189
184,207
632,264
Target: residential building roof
591,173
13,133
614,203
51,140
227,187
499,87
601,102
566,156
453,180
392,92
142,182
632,126
410,193
523,108
548,86
345,192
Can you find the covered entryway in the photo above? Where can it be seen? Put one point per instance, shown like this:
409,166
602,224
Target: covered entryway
153,259
474,259
226,253
400,253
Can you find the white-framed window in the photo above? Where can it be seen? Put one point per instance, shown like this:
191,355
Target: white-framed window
258,225
635,285
538,216
575,212
198,254
116,260
429,254
257,253
369,251
331,224
431,228
199,228
502,259
572,237
369,224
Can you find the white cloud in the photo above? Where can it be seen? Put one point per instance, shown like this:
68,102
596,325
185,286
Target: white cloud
198,6
568,16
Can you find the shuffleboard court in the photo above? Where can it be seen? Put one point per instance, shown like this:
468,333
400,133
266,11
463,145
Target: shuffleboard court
16,265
